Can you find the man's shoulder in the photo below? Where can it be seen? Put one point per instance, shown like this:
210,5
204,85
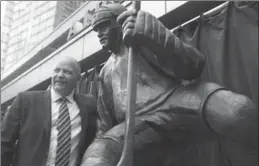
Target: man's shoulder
31,94
28,93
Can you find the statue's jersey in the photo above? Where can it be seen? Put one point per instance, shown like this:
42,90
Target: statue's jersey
162,60
152,86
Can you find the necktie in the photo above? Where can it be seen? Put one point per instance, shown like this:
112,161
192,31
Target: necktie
64,135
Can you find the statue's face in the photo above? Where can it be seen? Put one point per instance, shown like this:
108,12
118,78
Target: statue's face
105,34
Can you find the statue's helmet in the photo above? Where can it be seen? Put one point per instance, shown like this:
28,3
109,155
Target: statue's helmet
108,12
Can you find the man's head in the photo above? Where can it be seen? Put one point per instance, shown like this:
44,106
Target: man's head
105,24
65,76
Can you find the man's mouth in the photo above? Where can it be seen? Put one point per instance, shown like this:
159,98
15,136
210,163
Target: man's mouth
60,83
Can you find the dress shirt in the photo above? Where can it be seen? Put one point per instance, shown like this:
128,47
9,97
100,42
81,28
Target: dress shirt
75,128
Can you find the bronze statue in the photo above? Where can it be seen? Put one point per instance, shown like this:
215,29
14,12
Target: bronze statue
170,115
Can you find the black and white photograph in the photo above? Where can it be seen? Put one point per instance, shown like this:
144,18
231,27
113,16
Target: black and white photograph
129,83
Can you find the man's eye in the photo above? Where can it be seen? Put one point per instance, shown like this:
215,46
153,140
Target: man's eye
56,70
68,72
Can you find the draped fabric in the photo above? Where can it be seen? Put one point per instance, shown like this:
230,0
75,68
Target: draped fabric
89,81
229,40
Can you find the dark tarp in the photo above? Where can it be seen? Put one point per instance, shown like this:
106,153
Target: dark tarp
229,40
89,81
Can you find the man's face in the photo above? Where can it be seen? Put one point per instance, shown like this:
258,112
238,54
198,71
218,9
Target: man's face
65,76
105,34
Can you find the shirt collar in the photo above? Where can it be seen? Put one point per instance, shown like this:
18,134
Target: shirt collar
55,96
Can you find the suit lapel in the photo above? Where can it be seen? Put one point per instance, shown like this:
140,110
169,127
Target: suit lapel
47,111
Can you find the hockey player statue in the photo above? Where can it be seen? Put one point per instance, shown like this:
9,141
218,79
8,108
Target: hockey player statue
169,114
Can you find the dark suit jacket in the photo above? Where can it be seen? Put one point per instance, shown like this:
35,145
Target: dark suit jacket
29,121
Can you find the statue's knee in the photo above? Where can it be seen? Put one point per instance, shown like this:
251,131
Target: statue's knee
103,151
231,113
246,117
246,110
242,112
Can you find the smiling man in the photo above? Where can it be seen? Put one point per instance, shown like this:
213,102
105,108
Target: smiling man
53,127
65,76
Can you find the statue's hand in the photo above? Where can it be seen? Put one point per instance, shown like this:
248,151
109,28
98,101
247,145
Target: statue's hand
133,24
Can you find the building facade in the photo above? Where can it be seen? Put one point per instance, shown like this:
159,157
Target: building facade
6,22
64,9
28,22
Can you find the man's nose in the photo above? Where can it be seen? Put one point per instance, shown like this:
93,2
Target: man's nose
100,34
102,31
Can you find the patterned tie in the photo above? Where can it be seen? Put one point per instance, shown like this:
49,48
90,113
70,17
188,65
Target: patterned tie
64,135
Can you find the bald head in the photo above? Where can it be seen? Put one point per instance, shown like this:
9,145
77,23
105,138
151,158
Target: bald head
74,63
65,75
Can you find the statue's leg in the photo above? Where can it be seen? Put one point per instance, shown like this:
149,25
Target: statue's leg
102,152
232,116
150,148
195,112
235,118
223,114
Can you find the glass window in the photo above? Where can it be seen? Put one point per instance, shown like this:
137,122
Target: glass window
9,58
23,4
28,3
15,8
15,16
46,15
33,31
10,50
40,9
11,33
15,23
3,45
8,13
49,14
38,4
36,12
11,41
43,25
23,35
42,16
36,21
50,21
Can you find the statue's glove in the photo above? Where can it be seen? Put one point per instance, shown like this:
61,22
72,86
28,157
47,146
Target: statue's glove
173,56
136,25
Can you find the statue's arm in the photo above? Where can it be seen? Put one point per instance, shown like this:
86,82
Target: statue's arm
104,105
178,58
